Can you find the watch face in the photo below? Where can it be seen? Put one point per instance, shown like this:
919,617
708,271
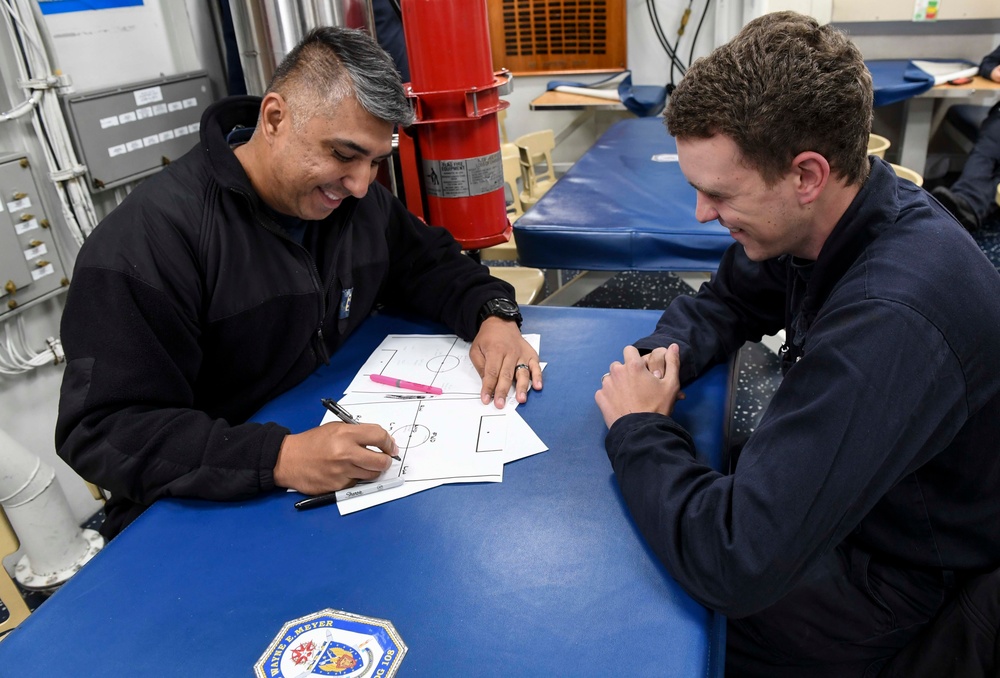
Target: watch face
501,308
505,306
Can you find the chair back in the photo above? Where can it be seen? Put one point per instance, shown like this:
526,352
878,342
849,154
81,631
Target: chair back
533,186
527,282
502,124
877,145
10,595
507,251
539,146
907,173
511,173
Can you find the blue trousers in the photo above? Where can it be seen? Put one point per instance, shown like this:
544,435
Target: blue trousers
847,618
981,174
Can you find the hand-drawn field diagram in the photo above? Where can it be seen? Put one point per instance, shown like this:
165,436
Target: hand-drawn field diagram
434,360
437,438
447,438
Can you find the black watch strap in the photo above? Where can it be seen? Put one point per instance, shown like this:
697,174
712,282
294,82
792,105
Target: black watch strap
500,308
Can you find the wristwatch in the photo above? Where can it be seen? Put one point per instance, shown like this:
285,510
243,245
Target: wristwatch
501,308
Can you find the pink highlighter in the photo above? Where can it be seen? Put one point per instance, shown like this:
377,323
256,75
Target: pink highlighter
402,383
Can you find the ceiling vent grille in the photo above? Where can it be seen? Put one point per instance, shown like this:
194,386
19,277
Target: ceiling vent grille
557,36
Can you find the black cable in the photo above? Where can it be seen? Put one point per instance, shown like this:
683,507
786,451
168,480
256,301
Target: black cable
675,62
651,9
677,42
395,6
697,31
660,35
22,46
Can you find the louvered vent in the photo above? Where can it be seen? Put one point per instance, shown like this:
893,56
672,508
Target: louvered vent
547,36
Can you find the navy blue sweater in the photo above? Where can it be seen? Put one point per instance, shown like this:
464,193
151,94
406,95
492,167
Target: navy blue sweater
885,429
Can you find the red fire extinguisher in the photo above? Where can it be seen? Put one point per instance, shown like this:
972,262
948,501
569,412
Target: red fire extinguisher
452,153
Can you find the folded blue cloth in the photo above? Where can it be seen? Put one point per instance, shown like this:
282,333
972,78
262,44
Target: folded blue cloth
642,100
891,84
899,79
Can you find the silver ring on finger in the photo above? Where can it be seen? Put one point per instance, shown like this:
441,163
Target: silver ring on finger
522,366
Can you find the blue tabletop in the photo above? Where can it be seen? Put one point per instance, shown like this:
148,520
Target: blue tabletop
624,205
542,574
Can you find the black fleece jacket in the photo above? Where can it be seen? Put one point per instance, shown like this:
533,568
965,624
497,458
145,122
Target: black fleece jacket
190,308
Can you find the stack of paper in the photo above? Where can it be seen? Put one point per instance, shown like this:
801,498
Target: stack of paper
447,438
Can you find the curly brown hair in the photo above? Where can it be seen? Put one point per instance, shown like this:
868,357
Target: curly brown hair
782,86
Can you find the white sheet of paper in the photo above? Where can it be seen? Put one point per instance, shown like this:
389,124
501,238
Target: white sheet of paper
943,71
437,439
440,360
521,442
448,438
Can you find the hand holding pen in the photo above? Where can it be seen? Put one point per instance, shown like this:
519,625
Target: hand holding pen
348,492
346,417
333,456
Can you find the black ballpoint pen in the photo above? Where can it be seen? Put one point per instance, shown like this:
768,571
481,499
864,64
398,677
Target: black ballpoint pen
341,413
345,416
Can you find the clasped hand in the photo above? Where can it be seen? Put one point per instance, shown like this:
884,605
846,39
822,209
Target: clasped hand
649,383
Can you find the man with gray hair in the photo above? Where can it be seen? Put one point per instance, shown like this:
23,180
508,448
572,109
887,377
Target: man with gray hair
233,274
867,494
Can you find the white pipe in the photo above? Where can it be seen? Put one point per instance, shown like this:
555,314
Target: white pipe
54,545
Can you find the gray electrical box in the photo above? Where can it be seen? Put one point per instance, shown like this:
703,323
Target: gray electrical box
129,132
30,265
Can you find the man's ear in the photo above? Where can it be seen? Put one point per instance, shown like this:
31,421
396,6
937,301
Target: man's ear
812,172
274,113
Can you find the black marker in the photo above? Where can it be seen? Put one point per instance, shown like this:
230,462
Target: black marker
350,492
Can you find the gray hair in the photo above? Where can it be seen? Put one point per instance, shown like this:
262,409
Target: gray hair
331,63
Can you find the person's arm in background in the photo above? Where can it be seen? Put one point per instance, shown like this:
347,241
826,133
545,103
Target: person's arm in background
743,301
990,66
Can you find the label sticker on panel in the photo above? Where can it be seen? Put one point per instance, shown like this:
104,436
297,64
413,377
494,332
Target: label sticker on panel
22,227
148,96
39,273
36,251
333,643
464,177
19,204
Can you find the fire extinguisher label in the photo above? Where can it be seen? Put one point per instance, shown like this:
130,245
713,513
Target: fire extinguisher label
463,177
